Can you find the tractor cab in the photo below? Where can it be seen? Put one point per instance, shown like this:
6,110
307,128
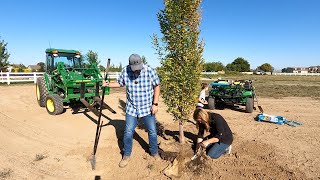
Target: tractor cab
70,59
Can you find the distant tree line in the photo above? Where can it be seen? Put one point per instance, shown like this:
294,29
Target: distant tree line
238,65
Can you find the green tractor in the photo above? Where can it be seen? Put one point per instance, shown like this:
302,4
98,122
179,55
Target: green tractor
237,93
68,80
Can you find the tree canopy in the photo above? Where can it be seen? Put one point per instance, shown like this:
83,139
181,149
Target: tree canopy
239,64
42,66
4,55
213,67
266,67
144,60
92,57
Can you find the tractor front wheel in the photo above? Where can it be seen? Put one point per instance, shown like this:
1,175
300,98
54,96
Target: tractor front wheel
211,103
54,104
41,91
249,105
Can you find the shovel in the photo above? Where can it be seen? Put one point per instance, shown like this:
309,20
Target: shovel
99,123
198,153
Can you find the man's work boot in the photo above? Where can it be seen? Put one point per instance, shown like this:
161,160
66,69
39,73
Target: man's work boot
156,156
124,161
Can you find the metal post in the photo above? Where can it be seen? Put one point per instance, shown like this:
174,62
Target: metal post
8,78
34,77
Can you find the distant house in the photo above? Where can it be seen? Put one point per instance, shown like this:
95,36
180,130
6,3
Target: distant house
298,69
34,68
314,69
9,68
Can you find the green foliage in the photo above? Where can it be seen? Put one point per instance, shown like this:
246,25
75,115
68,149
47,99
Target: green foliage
266,67
92,57
144,60
114,68
213,67
42,66
102,68
284,70
239,64
180,54
4,55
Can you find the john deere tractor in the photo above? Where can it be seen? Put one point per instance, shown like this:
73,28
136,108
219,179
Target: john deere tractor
68,80
237,93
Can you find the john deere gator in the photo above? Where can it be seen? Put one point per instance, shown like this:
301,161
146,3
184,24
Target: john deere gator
69,80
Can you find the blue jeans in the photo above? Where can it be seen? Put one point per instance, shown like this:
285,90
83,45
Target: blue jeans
215,150
131,124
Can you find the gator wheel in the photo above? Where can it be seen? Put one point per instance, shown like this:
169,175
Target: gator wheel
54,104
211,103
249,105
41,91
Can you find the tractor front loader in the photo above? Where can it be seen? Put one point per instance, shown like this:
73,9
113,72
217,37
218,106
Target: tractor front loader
69,80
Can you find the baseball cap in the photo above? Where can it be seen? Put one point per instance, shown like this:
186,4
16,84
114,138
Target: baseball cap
135,62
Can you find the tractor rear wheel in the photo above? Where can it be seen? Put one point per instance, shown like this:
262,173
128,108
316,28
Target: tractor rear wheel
41,91
249,105
54,104
211,103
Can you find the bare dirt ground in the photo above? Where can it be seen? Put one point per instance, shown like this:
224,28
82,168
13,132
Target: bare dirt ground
36,145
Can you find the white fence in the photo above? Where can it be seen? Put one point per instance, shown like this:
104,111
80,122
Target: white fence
9,77
296,74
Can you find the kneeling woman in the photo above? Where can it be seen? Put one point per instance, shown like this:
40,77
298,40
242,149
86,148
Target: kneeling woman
220,138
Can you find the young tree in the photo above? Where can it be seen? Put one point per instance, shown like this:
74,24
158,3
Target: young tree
92,57
4,55
180,54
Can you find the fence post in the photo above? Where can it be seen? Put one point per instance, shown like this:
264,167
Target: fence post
34,77
8,78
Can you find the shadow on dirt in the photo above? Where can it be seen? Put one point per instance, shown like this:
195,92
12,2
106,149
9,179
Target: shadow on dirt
119,126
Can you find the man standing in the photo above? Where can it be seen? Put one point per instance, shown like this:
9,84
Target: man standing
143,90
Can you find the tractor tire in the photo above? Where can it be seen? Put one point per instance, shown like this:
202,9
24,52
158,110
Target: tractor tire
249,105
54,104
211,103
41,91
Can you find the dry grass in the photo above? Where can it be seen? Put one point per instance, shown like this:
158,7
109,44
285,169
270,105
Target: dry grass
282,86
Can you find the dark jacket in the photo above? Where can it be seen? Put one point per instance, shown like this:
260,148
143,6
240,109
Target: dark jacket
218,129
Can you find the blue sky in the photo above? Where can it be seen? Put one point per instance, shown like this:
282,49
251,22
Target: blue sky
280,32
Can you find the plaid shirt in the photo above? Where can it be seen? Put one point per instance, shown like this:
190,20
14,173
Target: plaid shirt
139,89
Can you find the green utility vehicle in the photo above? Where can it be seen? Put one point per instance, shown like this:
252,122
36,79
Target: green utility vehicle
68,80
236,93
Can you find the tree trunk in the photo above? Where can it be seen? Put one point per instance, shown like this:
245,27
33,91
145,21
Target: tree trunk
181,133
